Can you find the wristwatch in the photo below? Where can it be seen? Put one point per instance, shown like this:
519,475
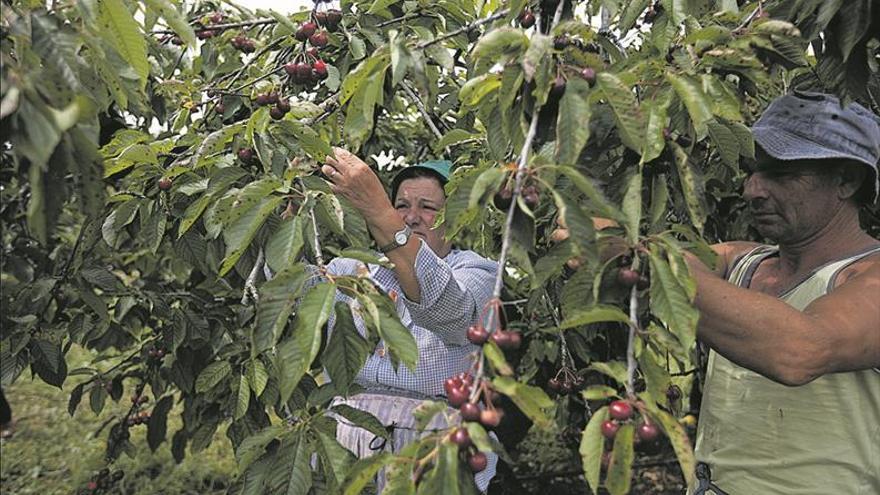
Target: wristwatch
401,237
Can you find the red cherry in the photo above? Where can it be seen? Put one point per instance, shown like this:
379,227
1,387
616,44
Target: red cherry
530,196
320,17
290,68
457,397
527,19
461,438
304,71
307,29
589,75
312,52
506,340
216,18
164,184
319,39
558,88
451,384
92,485
276,113
620,410
478,462
262,99
477,334
246,154
334,17
503,198
490,418
566,386
609,428
627,277
283,105
470,411
205,34
466,379
319,69
554,384
647,432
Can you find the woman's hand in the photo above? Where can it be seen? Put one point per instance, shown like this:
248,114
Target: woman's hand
353,179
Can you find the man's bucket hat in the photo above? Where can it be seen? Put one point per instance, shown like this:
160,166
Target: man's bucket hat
815,126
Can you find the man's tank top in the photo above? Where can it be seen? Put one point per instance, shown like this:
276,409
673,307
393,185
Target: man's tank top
762,437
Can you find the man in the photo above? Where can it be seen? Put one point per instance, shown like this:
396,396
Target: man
791,401
440,291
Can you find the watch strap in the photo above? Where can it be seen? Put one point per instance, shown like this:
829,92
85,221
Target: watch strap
394,244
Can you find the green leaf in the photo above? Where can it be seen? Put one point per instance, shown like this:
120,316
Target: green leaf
291,474
400,56
192,214
498,44
380,5
363,73
361,419
157,427
624,107
443,478
695,101
655,141
597,202
285,245
346,350
632,207
612,369
455,136
477,88
295,354
678,437
591,448
253,446
692,186
670,302
117,24
238,234
598,392
242,399
213,374
573,122
257,375
595,314
620,468
307,138
175,19
362,473
399,340
726,143
496,359
533,401
335,458
216,142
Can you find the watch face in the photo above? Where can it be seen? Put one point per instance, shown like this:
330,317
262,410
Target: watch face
401,238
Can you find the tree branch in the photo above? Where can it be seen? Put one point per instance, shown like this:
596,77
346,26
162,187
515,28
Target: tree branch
421,106
222,27
463,29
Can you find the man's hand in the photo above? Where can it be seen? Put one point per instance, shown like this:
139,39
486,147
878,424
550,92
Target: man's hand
353,179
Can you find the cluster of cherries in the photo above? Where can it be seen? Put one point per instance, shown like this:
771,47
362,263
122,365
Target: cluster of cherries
504,196
504,339
566,381
627,277
244,44
622,411
301,71
205,33
137,417
458,392
279,106
102,482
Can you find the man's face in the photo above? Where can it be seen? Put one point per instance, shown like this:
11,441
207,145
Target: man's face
791,201
418,201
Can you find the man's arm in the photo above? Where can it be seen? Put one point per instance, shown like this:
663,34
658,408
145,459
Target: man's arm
837,332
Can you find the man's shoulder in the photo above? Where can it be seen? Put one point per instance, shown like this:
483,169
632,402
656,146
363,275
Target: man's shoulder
729,252
467,257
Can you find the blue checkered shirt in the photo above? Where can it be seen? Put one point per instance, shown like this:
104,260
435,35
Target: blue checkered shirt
454,291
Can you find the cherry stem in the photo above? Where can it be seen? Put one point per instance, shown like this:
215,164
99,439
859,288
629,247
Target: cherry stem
222,27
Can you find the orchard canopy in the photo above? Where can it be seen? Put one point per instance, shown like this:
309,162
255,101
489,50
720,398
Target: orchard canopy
162,206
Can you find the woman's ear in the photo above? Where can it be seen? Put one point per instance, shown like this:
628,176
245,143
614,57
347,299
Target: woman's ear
851,179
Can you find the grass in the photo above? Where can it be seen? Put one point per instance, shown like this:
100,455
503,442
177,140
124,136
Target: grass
54,453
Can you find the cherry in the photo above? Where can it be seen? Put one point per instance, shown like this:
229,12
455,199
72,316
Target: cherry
164,183
673,393
609,428
558,88
620,410
220,108
477,334
92,485
284,105
205,34
307,29
503,198
627,277
589,75
334,17
319,69
457,397
506,340
246,154
466,379
530,196
490,418
527,19
249,46
276,113
461,438
451,384
320,17
647,432
319,39
312,52
177,41
560,42
478,462
216,18
566,386
290,68
263,99
684,140
304,72
643,282
667,134
554,384
470,411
